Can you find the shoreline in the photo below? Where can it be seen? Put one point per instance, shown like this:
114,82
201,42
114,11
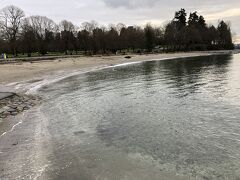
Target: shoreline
27,77
14,73
46,58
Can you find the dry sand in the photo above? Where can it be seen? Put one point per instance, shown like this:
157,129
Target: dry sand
25,71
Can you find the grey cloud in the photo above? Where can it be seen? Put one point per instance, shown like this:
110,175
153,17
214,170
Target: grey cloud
129,3
134,4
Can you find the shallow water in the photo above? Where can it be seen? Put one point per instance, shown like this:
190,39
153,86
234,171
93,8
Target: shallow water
176,116
172,119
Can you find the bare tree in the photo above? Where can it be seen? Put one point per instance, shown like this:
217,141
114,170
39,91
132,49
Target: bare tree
42,26
66,26
10,18
89,26
150,37
119,27
28,38
41,23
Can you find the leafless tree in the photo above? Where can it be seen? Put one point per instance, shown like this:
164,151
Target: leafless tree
41,24
42,27
89,26
10,23
119,27
66,26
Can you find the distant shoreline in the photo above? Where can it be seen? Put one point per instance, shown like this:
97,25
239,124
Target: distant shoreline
41,58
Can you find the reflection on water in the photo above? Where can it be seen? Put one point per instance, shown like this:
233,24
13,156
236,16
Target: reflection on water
182,114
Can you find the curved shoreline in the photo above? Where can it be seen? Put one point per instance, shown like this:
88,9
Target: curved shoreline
28,71
27,89
31,86
39,86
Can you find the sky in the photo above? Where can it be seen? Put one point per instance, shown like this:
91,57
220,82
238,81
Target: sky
131,12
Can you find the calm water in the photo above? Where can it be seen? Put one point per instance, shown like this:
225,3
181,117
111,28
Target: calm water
172,119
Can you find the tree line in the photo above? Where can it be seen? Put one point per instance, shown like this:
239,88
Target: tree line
20,34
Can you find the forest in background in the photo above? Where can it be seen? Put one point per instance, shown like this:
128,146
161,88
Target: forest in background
41,35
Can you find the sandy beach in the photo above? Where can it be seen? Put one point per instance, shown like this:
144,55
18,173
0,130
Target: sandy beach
26,71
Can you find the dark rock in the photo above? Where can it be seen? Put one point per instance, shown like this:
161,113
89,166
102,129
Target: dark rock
13,106
14,144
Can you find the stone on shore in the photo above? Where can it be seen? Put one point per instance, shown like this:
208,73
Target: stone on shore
12,104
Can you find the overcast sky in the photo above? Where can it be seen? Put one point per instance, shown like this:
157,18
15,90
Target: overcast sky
129,12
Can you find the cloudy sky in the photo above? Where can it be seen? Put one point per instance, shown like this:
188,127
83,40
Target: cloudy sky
130,11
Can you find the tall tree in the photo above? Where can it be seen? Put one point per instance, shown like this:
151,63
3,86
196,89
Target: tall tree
149,37
193,19
180,19
84,40
225,36
42,25
112,40
65,25
10,20
28,38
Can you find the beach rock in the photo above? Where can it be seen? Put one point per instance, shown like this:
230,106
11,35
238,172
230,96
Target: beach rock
13,106
20,108
11,110
14,144
16,104
14,113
